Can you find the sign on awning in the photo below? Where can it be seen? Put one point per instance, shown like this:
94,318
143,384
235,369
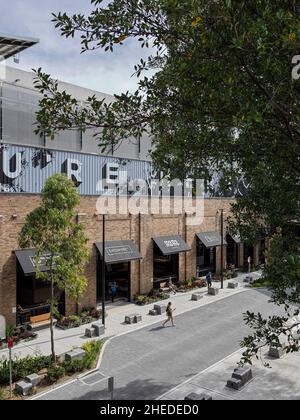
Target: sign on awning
119,251
211,239
171,244
27,260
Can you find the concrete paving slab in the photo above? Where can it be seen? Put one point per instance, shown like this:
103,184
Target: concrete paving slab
280,382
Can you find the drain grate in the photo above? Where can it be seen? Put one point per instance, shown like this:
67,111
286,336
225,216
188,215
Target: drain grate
93,379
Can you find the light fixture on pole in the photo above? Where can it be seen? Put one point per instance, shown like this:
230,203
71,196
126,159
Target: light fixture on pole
222,248
103,270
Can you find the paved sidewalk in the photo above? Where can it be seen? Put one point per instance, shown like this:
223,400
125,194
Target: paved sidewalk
280,382
66,340
141,364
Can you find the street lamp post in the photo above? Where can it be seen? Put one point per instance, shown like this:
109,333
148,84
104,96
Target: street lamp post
222,249
103,271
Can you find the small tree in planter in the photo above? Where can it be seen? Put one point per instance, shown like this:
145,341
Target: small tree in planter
52,231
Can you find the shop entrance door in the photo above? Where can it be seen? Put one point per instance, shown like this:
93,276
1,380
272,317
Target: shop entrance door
117,277
165,268
262,250
232,252
248,252
206,260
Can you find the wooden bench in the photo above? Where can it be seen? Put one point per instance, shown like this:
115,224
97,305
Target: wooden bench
40,318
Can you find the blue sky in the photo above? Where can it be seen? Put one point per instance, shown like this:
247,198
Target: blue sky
105,72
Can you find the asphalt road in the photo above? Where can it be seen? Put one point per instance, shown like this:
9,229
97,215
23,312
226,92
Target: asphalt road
149,362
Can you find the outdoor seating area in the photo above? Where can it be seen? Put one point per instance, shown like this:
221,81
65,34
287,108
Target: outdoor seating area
33,314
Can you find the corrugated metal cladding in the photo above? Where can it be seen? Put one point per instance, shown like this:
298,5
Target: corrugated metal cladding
25,169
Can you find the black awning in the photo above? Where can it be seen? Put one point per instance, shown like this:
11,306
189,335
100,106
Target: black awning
211,239
27,260
119,251
171,244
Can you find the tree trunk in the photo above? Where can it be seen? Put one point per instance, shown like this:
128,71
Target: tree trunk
51,322
77,307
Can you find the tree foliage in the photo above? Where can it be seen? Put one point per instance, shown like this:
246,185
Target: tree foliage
222,97
283,273
52,230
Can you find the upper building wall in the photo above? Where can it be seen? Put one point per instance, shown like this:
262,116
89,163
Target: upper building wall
20,104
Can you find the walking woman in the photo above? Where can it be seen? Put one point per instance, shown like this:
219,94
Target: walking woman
169,312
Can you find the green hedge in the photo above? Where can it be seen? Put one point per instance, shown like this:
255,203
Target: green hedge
92,349
29,365
74,366
2,394
54,374
22,368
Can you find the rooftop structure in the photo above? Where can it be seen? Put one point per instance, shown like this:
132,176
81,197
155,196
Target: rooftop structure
10,46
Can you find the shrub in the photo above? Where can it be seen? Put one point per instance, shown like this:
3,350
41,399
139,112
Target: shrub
92,349
2,394
22,368
74,366
140,299
91,312
87,320
262,282
70,322
86,317
54,374
87,310
95,314
11,331
153,296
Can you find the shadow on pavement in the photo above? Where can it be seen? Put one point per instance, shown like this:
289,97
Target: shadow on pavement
135,390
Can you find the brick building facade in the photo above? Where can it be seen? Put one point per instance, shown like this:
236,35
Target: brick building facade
141,229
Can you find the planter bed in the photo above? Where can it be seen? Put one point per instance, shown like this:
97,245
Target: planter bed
149,300
50,376
191,285
25,336
87,317
74,324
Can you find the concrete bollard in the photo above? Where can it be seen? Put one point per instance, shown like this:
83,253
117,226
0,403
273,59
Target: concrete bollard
213,291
